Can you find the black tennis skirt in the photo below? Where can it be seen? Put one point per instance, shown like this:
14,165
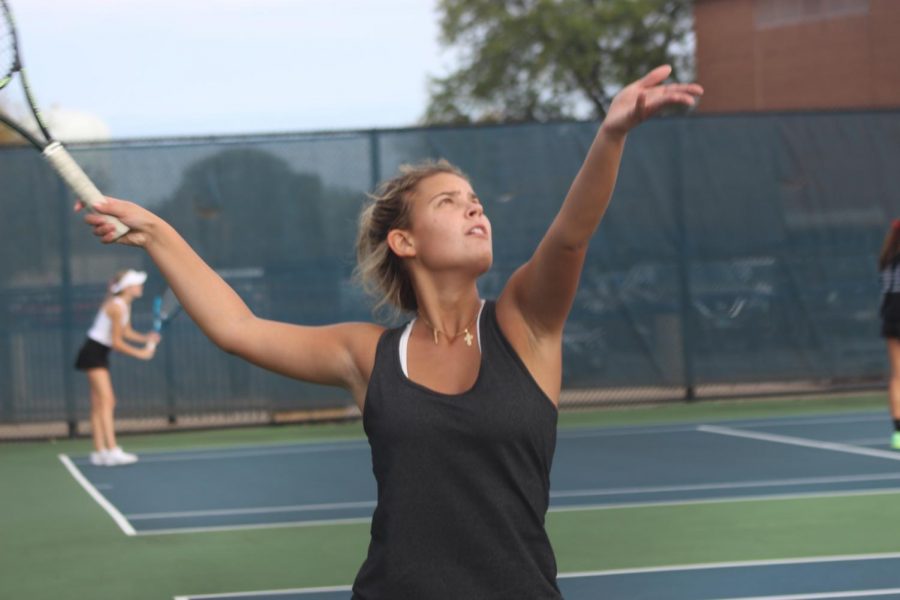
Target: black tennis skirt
890,329
93,355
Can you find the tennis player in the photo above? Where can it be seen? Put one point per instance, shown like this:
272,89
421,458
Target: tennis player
112,330
460,404
889,265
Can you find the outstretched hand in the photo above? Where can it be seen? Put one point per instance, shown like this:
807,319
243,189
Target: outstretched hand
138,219
642,99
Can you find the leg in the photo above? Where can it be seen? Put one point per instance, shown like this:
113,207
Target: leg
96,391
893,345
103,402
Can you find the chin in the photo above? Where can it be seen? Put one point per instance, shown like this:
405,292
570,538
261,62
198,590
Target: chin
484,263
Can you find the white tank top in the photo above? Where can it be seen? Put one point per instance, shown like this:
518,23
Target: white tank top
101,330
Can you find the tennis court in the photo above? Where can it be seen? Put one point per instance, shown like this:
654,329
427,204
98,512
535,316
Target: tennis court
765,499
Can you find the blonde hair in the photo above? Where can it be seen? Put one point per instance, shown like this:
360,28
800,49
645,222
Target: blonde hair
382,273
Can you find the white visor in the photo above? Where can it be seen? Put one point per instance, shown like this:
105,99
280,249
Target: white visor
128,279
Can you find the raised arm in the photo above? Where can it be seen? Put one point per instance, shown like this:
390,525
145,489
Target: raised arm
339,355
541,292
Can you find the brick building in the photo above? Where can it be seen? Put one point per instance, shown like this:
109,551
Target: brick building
755,55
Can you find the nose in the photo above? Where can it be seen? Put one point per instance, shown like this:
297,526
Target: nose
475,210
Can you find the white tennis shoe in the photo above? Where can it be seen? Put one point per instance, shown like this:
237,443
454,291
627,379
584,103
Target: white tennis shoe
100,458
117,456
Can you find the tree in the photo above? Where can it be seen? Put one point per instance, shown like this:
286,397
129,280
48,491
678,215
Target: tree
537,60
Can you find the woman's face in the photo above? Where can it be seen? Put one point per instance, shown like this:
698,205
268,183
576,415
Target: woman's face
449,228
135,291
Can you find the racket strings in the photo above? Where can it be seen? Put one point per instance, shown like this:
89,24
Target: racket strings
169,303
7,45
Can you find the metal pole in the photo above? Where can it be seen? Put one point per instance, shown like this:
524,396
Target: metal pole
684,260
374,160
66,303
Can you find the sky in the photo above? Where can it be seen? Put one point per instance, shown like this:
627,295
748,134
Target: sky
119,69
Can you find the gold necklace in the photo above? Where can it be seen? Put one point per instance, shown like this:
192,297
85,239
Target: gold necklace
451,338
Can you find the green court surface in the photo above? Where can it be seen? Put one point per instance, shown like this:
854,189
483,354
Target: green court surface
57,542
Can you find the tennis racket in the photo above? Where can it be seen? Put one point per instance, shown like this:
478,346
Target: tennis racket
58,157
165,308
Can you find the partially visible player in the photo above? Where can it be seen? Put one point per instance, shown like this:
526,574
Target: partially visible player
889,265
111,329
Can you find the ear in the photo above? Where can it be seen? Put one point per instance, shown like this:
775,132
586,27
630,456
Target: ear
401,243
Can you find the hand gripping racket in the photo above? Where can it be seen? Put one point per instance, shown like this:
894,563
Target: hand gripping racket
58,157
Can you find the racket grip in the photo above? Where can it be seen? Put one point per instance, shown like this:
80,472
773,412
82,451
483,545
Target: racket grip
84,189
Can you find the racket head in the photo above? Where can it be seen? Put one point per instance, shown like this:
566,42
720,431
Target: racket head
9,45
165,308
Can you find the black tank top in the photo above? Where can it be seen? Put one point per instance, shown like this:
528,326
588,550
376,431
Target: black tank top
463,481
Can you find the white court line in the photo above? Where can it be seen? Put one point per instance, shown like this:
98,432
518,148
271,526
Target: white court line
336,588
564,494
727,485
879,441
579,432
635,571
848,594
796,441
736,564
218,455
285,524
760,498
560,509
253,511
787,422
121,521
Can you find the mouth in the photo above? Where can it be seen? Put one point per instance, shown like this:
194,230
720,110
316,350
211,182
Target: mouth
479,231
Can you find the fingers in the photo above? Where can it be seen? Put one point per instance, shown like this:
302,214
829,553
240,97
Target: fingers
110,206
685,88
102,228
656,76
640,106
654,105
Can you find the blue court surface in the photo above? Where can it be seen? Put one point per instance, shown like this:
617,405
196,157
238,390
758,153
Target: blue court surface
305,484
842,577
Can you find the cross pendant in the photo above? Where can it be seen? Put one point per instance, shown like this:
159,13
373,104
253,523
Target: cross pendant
468,337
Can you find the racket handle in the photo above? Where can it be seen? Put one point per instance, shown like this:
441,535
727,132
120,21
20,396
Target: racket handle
84,189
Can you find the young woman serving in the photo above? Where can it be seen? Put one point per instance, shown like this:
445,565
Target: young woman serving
459,405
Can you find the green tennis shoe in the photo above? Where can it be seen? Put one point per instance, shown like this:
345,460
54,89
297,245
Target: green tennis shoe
895,441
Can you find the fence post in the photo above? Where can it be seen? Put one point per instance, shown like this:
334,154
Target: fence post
684,259
66,306
374,160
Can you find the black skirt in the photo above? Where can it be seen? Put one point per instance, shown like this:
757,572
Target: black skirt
93,355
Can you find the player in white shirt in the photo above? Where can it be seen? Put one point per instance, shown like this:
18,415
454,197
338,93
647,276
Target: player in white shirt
110,330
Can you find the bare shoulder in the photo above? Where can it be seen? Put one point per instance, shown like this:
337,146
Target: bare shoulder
112,308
